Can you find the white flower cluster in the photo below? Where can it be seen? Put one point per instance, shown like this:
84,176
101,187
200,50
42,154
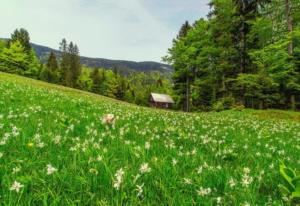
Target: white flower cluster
118,179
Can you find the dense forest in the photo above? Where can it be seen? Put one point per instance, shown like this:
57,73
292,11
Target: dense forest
245,54
17,56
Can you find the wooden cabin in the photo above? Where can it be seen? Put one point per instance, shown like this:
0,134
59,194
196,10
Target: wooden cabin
163,101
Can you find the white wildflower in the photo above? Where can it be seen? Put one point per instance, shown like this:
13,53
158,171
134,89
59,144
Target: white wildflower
118,179
16,186
246,180
246,170
187,181
145,168
40,144
203,191
93,171
99,158
219,200
16,170
232,182
246,204
147,145
139,189
50,169
199,170
57,139
174,162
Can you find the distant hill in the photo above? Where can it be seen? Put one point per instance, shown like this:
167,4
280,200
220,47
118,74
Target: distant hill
43,52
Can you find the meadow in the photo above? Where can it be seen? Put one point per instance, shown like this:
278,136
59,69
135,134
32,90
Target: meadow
55,149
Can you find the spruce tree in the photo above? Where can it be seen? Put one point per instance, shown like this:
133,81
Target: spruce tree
22,36
64,63
97,80
51,73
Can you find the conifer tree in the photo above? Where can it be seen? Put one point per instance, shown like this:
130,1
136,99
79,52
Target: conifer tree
97,81
64,63
50,73
22,36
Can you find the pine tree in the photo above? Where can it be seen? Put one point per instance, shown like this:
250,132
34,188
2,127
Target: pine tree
52,62
182,74
70,67
184,30
22,36
75,65
51,72
97,81
64,63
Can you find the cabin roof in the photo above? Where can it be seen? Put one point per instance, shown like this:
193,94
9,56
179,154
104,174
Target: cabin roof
163,98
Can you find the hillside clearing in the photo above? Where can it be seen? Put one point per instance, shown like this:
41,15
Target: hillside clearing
55,150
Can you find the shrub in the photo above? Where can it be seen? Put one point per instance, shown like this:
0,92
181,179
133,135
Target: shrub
238,107
218,106
223,104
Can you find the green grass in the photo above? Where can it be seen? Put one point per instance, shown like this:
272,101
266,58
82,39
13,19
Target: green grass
195,159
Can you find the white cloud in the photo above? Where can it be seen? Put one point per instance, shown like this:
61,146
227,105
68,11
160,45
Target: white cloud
117,29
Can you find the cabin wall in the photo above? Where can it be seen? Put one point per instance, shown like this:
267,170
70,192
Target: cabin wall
160,105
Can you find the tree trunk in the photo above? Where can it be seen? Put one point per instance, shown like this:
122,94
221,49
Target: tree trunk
224,86
261,104
289,21
243,41
293,102
187,97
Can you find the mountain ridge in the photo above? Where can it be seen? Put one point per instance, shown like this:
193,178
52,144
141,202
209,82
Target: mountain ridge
144,66
43,52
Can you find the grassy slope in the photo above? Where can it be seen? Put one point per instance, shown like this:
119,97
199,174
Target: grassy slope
187,151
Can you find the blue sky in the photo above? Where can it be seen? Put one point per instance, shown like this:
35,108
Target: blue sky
138,30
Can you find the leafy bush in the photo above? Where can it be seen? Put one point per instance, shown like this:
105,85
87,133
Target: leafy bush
223,104
218,106
238,107
228,102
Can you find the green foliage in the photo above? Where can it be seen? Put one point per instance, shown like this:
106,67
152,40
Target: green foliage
22,36
111,84
84,81
223,104
52,69
218,106
98,77
14,59
258,90
34,65
2,45
70,67
238,107
291,187
16,55
247,50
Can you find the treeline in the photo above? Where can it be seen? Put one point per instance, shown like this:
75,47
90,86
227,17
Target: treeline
17,56
247,53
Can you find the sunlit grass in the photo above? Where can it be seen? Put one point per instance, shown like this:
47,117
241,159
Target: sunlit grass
54,144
